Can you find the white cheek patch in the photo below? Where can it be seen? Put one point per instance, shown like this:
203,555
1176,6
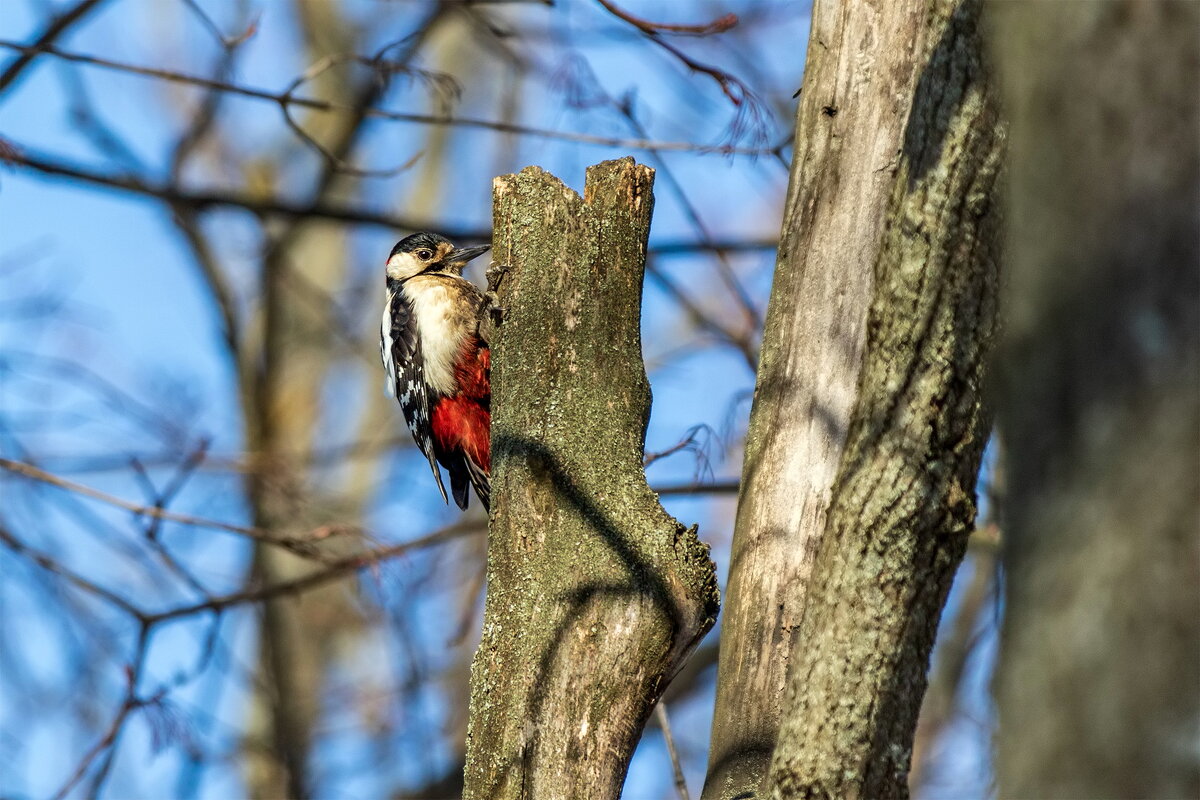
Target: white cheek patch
403,265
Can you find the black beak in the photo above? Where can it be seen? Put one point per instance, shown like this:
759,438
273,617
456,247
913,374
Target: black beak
462,255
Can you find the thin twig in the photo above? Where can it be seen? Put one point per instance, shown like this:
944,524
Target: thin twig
660,714
718,25
298,546
107,742
401,116
56,28
335,569
723,487
275,206
724,267
160,500
227,42
690,441
747,103
47,563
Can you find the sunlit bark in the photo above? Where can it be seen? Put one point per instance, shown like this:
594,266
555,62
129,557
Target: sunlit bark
867,430
595,594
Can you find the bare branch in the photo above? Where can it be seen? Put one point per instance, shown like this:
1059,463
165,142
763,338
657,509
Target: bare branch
334,570
724,487
295,545
49,564
56,28
105,745
660,715
730,85
274,206
747,103
718,25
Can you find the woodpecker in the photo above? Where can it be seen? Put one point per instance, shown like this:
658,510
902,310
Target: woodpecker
437,362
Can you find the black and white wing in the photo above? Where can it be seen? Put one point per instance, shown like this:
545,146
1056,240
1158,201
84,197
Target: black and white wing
400,346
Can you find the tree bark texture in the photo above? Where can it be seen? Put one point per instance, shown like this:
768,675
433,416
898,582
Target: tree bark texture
859,141
1098,685
903,502
595,594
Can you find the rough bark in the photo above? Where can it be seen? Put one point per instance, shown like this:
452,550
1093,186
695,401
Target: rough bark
595,595
1098,684
903,502
866,69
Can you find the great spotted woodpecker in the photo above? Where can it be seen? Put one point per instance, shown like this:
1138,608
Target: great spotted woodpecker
437,362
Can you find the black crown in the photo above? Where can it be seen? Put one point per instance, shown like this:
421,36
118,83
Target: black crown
413,243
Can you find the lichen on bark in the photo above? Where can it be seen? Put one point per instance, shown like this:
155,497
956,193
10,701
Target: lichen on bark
903,502
595,594
868,391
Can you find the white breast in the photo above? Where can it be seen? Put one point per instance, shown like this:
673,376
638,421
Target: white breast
439,324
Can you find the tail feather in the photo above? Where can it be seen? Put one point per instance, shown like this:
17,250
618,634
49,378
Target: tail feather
481,482
463,476
459,487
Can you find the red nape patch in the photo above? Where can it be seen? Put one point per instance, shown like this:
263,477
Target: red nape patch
461,424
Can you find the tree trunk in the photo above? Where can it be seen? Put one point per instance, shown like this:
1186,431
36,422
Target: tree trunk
903,502
896,150
1098,685
595,595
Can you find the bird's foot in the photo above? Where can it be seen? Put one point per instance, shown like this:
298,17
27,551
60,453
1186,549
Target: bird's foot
495,276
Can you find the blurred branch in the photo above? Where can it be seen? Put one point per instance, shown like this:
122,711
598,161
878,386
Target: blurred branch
334,570
335,455
54,29
147,621
723,487
954,652
718,25
733,87
210,271
201,199
284,99
660,716
102,387
273,206
227,42
107,742
160,499
669,248
742,340
298,546
691,441
48,563
372,91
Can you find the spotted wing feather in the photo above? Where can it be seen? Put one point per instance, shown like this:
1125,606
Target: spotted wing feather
400,346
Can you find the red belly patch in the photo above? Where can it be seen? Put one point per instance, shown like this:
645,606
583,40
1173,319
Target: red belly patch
462,424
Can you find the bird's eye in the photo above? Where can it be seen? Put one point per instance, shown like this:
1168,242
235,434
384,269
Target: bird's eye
424,255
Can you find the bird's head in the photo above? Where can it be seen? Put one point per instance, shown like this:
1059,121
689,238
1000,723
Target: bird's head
429,252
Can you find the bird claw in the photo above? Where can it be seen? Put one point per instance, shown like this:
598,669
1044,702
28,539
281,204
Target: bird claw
494,310
495,276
